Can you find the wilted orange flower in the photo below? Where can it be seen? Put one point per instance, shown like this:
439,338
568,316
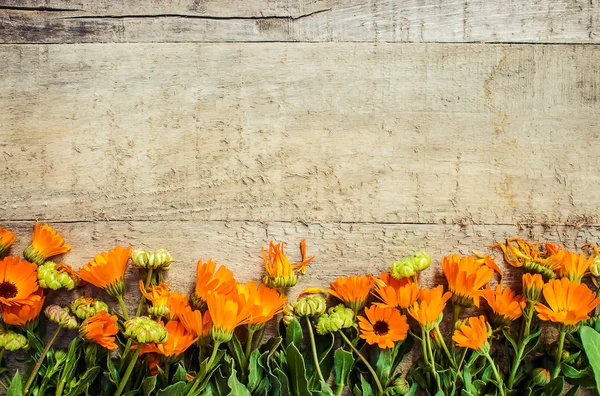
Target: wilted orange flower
107,270
574,266
45,242
178,341
352,290
428,309
101,329
280,272
209,281
177,303
506,305
473,334
529,256
18,282
382,326
532,286
196,322
569,302
402,297
226,313
262,302
21,315
154,363
7,238
466,276
158,297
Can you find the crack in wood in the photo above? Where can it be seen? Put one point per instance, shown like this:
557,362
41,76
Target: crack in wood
37,9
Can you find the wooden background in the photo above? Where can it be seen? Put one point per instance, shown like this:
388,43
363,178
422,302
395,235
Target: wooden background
371,128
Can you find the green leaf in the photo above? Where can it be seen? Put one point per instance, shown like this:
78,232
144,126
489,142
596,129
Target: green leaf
366,388
16,386
148,385
297,371
237,351
283,379
293,333
555,387
590,339
180,374
383,364
237,388
572,372
255,371
177,389
344,361
83,383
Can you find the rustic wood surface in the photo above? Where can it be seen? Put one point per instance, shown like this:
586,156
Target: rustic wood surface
66,21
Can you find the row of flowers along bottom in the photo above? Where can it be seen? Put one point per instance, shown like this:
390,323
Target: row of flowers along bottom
212,342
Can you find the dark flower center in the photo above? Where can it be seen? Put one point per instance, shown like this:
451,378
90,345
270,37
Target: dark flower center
8,289
381,328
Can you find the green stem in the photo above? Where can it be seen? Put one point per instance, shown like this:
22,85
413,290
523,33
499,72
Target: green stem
249,344
167,367
561,344
130,367
1,355
313,346
4,385
496,374
462,360
455,313
445,347
515,367
432,361
208,367
123,307
125,353
362,358
60,387
41,360
260,337
138,312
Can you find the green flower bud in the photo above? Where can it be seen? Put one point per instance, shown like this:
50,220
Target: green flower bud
345,314
86,307
595,266
61,316
541,376
144,330
12,341
220,335
140,257
403,269
421,261
326,324
288,314
50,278
160,259
400,386
311,305
281,282
60,355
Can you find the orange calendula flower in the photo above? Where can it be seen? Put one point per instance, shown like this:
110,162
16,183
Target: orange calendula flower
568,303
466,276
402,297
428,309
473,334
262,302
208,281
45,242
385,279
196,322
382,326
506,305
574,266
158,297
280,271
26,314
532,286
7,238
226,313
107,270
177,302
178,341
18,282
101,329
352,290
520,253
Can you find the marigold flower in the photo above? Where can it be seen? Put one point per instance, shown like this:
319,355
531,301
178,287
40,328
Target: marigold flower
178,341
569,302
45,242
532,286
474,335
386,279
176,303
158,297
280,272
18,282
402,297
506,305
529,256
466,276
428,309
100,329
226,313
107,270
262,302
382,326
541,376
352,290
574,266
7,238
196,322
86,307
26,314
208,281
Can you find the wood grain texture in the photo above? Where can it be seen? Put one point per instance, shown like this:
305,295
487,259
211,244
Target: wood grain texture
420,133
64,21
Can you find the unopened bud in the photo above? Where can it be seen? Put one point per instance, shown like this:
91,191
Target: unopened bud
311,305
61,316
12,341
144,330
400,386
541,376
160,259
345,314
281,282
288,314
60,355
50,277
326,324
86,307
403,269
595,266
421,261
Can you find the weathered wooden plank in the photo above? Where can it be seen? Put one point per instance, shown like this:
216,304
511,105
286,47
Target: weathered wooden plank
331,132
63,21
